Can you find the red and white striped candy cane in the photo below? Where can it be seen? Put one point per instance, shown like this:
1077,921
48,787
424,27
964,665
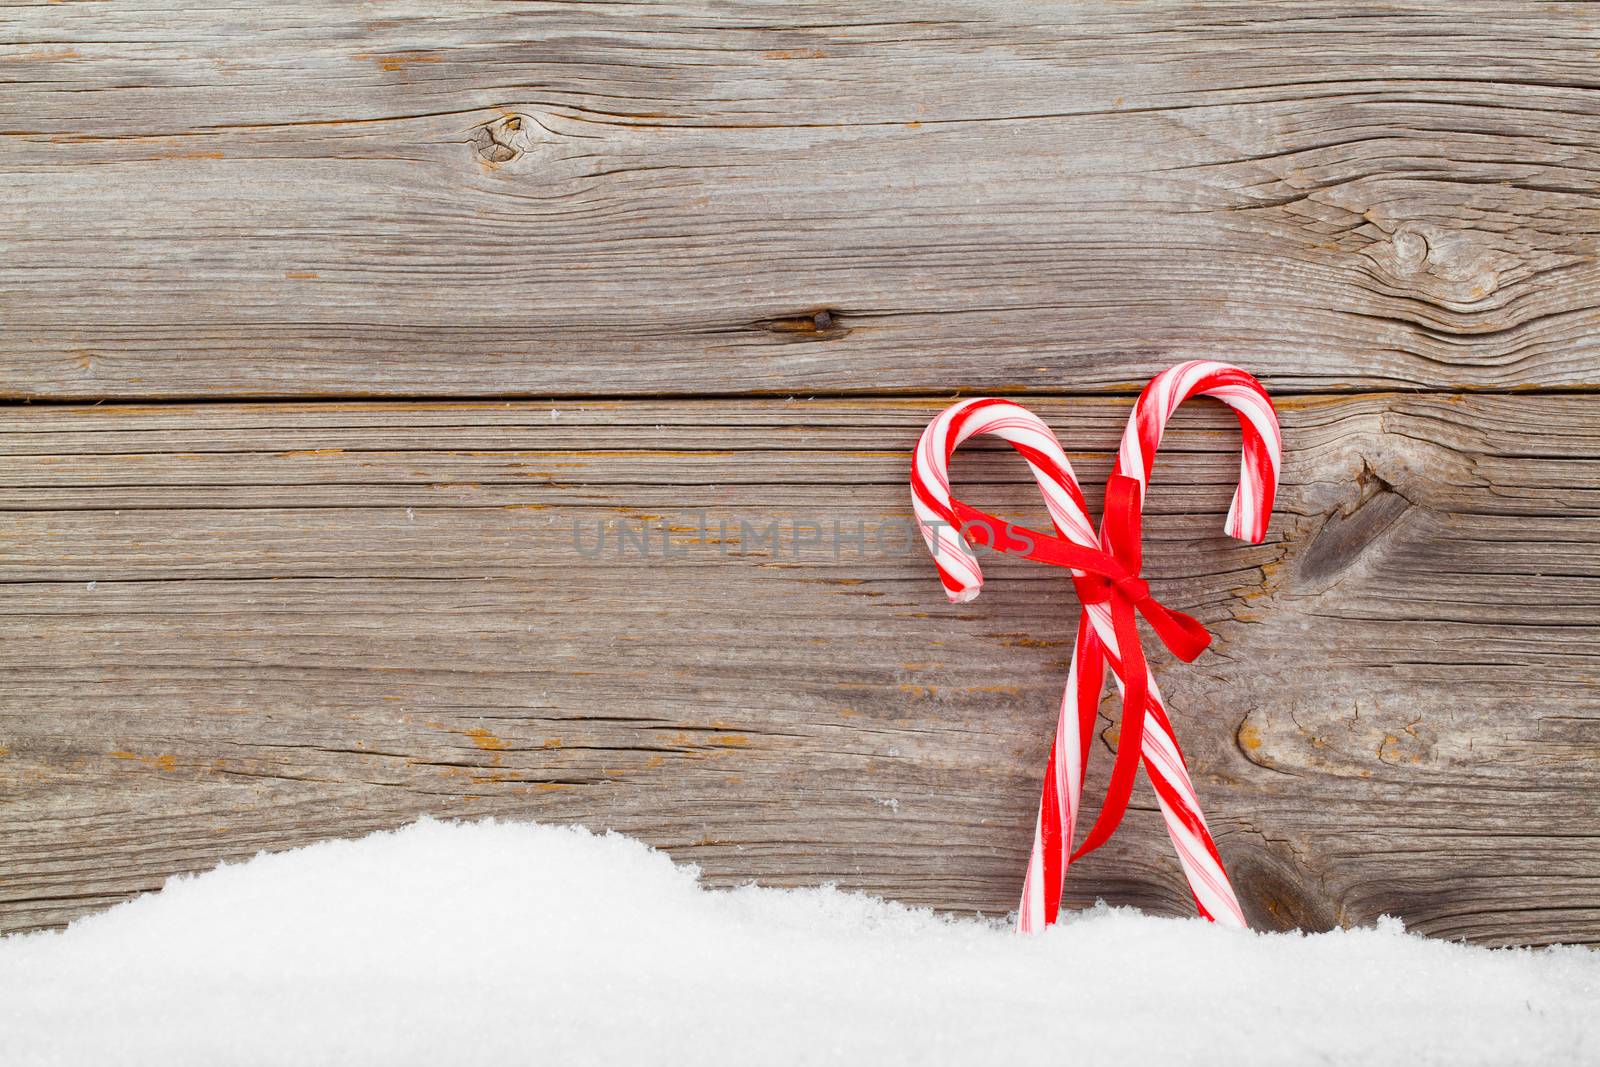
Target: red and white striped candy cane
1105,568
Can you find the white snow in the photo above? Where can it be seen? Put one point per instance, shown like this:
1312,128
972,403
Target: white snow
517,943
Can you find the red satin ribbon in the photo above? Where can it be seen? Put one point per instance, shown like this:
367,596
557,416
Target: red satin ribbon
1104,576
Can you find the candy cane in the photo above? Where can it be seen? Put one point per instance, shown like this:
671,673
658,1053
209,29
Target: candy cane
1248,515
1105,568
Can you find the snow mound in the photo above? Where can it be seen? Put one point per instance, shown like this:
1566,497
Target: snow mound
519,943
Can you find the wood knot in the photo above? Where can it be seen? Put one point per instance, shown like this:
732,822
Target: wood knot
819,325
1451,268
1278,890
501,140
1349,536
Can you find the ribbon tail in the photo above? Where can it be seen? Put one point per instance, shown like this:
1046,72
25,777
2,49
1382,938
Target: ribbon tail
1130,743
1054,809
1063,784
1091,656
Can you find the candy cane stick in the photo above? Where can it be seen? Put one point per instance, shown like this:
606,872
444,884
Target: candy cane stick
962,577
1248,514
1247,520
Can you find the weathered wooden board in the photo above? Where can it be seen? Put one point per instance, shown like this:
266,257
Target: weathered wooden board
530,199
233,627
227,627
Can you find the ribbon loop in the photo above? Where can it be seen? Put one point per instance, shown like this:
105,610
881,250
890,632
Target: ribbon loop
1121,528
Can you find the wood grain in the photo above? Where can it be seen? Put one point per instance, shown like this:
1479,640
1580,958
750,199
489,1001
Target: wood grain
551,199
230,627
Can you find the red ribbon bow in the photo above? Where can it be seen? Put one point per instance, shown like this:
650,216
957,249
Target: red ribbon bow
1109,577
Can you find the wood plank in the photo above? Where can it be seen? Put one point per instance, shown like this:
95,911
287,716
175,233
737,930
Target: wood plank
236,627
528,199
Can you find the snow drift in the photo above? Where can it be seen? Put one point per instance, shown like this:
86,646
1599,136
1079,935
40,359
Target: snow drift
519,943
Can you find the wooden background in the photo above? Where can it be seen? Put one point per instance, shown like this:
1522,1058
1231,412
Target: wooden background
325,327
